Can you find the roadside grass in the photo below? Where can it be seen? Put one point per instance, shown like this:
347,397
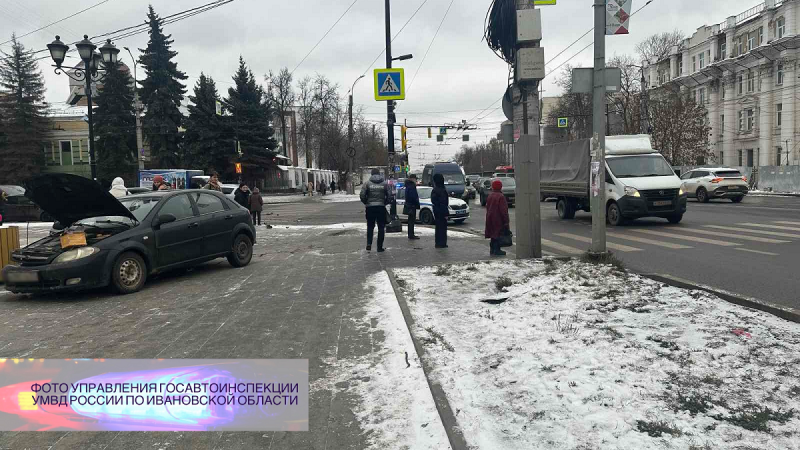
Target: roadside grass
502,283
607,258
657,428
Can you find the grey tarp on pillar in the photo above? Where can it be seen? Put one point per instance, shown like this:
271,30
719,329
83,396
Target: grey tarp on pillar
565,168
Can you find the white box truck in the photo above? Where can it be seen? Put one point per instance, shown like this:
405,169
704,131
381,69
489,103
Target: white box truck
639,181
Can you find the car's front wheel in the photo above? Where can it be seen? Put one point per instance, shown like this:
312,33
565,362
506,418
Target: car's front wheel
426,217
129,273
675,218
242,251
459,222
614,215
737,199
702,195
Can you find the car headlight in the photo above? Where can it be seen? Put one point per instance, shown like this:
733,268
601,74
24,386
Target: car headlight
78,253
680,191
631,191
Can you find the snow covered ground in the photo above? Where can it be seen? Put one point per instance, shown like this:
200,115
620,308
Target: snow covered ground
396,408
339,197
419,230
31,232
274,199
567,355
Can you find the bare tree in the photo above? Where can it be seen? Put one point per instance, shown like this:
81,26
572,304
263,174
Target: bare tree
481,157
680,127
577,108
281,96
627,103
305,98
659,46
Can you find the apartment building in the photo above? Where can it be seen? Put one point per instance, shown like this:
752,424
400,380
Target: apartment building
745,71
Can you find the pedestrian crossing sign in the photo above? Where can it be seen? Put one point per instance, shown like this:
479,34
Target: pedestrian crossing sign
563,122
389,84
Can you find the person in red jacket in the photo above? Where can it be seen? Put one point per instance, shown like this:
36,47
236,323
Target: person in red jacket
496,218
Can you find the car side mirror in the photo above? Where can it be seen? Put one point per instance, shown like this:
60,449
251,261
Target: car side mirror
57,226
163,219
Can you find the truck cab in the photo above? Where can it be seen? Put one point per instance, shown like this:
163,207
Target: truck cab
640,182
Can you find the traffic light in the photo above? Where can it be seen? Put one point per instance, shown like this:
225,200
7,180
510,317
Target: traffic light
239,168
403,137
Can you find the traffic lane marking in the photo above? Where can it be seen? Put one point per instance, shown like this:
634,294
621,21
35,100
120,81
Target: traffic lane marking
757,251
764,232
689,238
787,222
620,247
763,225
561,247
648,241
734,236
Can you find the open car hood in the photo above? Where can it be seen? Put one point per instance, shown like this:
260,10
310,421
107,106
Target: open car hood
69,198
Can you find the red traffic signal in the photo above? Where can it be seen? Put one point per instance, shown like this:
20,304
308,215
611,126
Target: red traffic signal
238,167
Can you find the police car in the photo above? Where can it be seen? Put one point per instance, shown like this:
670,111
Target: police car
459,210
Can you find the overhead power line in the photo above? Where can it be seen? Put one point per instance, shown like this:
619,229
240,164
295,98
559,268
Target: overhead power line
57,21
395,36
325,35
429,46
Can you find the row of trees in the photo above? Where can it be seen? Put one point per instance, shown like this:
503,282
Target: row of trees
678,125
482,157
201,140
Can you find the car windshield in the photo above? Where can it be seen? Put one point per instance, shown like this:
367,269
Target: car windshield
424,192
508,182
140,207
453,178
639,166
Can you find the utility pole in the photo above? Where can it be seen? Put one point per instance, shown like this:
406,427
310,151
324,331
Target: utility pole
598,187
528,72
137,106
351,151
390,120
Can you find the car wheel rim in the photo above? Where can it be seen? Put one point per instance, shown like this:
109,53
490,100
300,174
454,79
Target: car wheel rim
129,272
561,209
242,250
612,215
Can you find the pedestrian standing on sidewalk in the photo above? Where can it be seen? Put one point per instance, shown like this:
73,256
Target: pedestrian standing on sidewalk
412,205
256,206
213,183
242,195
333,186
497,221
310,188
375,196
324,187
441,210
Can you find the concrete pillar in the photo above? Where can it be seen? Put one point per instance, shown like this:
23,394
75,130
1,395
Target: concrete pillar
687,61
790,14
730,126
729,50
788,96
673,66
766,119
714,47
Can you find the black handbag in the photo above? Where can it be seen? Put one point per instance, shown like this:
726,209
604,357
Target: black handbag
505,238
393,224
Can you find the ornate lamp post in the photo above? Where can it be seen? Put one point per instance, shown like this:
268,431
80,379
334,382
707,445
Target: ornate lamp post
91,71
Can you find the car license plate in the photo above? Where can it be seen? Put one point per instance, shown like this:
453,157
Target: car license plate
662,203
23,277
460,212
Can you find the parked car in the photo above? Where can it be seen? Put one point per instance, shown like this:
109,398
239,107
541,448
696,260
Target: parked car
138,190
472,178
454,180
708,183
483,187
459,210
509,190
228,189
469,193
120,242
19,208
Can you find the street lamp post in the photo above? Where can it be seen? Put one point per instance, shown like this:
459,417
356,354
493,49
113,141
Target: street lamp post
90,72
351,153
138,109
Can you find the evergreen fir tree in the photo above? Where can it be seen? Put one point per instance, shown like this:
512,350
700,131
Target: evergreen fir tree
115,126
207,144
250,116
161,94
23,115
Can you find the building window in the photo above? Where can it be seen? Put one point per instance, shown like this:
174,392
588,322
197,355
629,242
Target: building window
741,83
66,153
750,118
751,41
740,158
749,157
739,46
722,48
779,109
778,156
701,96
781,27
741,121
721,124
760,35
694,64
702,60
680,66
51,155
751,81
779,74
721,158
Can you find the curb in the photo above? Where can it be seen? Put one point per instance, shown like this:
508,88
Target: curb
790,314
774,194
454,435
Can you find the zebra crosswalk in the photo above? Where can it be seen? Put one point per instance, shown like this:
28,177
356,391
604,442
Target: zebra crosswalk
757,239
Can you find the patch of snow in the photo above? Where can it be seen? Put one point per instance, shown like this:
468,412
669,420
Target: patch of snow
583,356
23,225
395,407
340,197
274,199
419,229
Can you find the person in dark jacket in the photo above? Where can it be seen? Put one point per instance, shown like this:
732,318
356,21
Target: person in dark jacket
242,195
496,218
441,210
412,205
333,186
375,196
256,204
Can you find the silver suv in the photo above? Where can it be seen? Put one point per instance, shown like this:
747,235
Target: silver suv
707,183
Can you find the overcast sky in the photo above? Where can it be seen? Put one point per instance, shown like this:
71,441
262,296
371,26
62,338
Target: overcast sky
459,78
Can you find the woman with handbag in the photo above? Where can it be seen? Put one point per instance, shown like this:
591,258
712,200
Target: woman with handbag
411,205
497,221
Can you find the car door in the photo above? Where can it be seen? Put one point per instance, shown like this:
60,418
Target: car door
182,240
216,222
690,183
699,179
401,201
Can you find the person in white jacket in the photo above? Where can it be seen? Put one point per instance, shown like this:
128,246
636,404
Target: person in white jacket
118,188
